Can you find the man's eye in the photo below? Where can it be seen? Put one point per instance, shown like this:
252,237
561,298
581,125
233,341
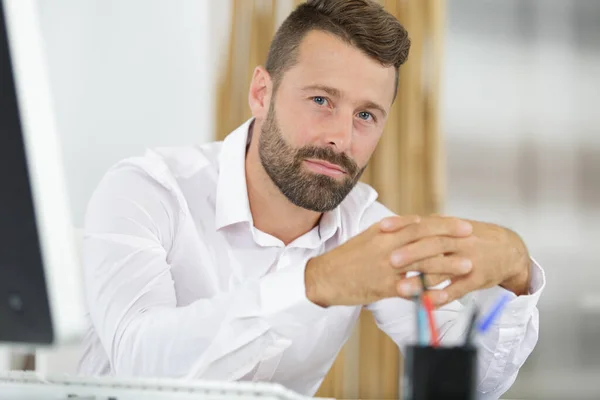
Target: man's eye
365,115
320,100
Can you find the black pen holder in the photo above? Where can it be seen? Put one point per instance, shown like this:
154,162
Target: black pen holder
440,373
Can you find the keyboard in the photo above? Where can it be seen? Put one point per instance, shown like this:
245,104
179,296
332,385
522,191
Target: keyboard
28,385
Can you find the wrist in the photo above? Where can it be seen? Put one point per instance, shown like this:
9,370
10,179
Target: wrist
313,281
519,284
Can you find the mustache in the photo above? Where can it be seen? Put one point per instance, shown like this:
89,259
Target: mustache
327,154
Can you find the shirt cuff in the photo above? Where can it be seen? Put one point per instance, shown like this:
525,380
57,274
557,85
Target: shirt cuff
283,297
520,308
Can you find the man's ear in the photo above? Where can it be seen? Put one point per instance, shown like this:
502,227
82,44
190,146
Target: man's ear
259,95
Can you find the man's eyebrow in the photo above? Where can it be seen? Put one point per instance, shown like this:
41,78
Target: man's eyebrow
337,93
327,89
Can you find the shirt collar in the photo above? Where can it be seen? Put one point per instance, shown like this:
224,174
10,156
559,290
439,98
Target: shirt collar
232,205
330,223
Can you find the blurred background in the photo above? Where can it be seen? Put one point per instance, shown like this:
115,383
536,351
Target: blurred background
522,140
495,120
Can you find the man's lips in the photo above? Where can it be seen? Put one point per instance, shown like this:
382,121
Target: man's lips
325,168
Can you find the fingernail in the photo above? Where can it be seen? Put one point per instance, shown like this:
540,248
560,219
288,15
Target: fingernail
406,289
396,259
465,265
465,228
387,224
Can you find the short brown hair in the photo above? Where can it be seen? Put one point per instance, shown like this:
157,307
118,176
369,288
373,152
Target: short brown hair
363,24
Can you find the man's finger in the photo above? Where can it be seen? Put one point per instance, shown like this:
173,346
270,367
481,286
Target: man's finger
409,287
435,279
448,265
397,222
434,226
459,288
423,249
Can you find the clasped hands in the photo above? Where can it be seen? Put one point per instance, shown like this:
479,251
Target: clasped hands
373,265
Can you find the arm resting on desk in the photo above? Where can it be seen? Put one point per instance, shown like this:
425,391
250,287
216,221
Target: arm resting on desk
130,225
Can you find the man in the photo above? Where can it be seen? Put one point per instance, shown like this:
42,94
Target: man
251,259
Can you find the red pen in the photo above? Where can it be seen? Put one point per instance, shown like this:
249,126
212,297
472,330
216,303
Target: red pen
432,329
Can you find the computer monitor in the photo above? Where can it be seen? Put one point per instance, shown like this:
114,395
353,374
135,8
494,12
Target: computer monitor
41,301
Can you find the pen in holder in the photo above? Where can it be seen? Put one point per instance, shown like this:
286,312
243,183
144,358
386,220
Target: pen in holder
434,372
440,373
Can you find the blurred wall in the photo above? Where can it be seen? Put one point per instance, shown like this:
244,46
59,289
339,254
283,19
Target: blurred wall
522,134
126,76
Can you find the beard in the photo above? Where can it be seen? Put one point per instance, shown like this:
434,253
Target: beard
284,165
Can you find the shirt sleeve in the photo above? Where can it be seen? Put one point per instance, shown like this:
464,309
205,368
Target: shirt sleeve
502,350
131,223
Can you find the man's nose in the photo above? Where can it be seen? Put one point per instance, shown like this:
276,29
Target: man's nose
339,132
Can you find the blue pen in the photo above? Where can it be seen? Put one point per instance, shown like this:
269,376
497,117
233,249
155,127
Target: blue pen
421,320
486,322
422,323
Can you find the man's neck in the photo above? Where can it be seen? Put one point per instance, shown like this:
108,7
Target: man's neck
271,211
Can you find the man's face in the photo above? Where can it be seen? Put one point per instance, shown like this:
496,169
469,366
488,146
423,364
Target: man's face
324,121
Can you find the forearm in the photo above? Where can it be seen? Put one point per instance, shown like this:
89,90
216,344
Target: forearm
189,341
221,337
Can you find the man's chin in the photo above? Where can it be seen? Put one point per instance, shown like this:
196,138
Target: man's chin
318,206
326,198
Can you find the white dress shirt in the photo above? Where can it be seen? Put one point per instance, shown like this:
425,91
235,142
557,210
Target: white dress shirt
179,282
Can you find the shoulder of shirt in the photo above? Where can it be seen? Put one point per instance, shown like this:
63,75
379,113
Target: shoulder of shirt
183,162
167,165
